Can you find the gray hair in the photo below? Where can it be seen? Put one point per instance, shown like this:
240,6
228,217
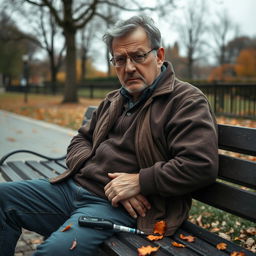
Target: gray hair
124,27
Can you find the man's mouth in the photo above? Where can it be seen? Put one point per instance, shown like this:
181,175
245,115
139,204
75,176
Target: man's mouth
132,79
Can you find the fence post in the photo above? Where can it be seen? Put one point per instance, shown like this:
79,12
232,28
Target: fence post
91,91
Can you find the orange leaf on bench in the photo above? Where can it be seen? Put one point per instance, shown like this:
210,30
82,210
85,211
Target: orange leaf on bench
175,244
147,250
154,238
190,239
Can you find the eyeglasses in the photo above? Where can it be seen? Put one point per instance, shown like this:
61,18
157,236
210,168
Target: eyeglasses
138,58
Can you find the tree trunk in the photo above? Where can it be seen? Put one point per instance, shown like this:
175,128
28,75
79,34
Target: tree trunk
70,90
53,74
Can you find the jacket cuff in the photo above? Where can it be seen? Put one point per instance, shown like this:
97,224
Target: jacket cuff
147,181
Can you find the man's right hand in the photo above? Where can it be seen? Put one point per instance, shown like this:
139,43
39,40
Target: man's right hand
136,205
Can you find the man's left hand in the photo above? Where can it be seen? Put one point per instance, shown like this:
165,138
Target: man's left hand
121,187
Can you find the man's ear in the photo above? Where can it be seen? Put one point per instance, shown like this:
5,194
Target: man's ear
160,56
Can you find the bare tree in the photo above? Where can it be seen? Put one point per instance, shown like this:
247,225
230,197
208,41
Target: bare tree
48,31
192,32
222,28
87,37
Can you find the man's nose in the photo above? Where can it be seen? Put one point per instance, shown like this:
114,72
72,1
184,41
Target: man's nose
129,66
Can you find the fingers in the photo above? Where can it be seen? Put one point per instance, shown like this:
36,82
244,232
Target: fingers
126,204
137,205
144,201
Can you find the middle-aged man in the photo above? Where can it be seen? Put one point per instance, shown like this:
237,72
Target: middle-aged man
148,146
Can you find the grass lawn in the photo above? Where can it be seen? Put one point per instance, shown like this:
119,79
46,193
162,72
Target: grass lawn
50,109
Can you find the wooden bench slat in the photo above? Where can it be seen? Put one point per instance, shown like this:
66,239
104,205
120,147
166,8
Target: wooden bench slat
88,114
23,170
229,199
200,246
211,238
237,139
137,241
237,170
41,169
9,174
113,246
55,167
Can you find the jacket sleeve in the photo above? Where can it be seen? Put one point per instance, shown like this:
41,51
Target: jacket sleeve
191,135
81,145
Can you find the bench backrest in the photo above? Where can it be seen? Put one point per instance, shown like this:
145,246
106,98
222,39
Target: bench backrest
235,189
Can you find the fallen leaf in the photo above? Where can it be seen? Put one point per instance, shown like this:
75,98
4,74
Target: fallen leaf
190,239
251,231
36,241
73,246
66,228
215,230
249,242
175,244
199,221
225,236
160,227
237,254
221,246
154,238
11,139
147,250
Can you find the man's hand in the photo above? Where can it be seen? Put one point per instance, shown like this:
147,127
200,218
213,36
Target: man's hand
121,187
136,205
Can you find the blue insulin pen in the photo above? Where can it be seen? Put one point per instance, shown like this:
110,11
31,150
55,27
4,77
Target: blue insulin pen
99,223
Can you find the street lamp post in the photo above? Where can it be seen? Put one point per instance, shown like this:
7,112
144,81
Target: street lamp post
25,58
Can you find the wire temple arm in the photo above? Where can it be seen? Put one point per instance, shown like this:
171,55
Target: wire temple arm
30,152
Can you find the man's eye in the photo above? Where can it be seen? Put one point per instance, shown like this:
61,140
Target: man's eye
120,59
138,57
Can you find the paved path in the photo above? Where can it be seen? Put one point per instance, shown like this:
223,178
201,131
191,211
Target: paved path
18,132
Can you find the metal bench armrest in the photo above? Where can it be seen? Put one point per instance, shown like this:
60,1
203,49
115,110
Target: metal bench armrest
30,152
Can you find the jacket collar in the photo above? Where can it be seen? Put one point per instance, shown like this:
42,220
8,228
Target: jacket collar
165,85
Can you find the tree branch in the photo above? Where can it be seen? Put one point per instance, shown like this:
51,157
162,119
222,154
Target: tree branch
35,3
121,7
53,12
85,21
92,8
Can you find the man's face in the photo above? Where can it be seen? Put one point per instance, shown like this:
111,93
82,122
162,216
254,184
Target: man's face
135,77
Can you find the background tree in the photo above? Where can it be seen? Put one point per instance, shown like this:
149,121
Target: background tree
48,32
192,31
222,29
13,44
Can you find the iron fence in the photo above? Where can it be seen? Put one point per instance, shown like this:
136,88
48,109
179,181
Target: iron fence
233,100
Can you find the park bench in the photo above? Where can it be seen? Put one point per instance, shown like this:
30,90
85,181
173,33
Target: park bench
234,192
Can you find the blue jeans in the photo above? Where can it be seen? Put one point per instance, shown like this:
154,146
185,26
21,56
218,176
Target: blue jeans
42,207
